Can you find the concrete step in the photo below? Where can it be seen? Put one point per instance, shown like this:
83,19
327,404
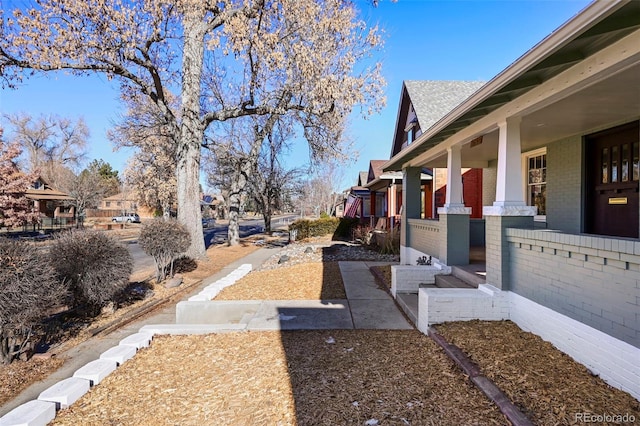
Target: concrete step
409,304
473,274
451,281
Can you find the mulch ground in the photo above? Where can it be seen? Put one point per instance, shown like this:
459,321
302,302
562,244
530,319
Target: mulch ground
335,377
547,385
307,281
17,376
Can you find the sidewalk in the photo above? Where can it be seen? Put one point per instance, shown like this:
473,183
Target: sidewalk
366,307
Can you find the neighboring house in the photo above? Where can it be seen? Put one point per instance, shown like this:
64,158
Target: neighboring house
212,206
115,205
422,104
53,206
386,195
557,135
357,204
123,201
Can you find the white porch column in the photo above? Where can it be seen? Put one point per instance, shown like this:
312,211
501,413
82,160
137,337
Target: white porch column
509,181
454,178
509,210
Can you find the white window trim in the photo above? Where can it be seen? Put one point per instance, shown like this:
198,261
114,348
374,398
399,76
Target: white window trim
525,178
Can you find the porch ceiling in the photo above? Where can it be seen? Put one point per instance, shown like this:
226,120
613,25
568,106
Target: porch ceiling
615,99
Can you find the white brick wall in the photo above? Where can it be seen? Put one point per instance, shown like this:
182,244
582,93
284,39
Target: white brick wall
438,305
407,279
616,362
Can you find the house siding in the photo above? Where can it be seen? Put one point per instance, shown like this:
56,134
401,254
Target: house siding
564,185
594,280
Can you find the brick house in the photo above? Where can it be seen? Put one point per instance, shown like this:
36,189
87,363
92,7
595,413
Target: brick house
556,136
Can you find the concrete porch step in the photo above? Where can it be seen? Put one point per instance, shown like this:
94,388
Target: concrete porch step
409,304
451,281
473,274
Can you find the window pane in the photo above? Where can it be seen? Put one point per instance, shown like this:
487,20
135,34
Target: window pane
605,165
636,165
624,172
538,198
614,164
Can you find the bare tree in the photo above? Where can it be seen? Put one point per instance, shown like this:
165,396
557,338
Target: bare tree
310,50
54,145
271,180
15,209
321,192
151,172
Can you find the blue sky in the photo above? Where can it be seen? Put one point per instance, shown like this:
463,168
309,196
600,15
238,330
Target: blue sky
425,40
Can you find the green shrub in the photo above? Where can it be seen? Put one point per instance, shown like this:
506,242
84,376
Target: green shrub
165,240
345,227
95,266
314,228
28,288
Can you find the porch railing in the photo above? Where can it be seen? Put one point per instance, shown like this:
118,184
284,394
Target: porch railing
424,235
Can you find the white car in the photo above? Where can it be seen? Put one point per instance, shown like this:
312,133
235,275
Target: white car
127,217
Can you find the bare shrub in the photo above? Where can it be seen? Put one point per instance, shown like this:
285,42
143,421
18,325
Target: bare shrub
389,242
95,266
165,240
28,288
363,234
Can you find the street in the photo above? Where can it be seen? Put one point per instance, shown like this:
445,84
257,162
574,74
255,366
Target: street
215,235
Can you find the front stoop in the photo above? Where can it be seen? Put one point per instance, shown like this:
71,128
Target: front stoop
409,278
438,305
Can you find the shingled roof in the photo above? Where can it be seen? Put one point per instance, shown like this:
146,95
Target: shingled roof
431,101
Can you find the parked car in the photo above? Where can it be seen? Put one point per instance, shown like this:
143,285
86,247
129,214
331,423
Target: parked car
208,222
127,217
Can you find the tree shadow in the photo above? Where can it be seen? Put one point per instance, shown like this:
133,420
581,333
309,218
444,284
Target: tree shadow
334,378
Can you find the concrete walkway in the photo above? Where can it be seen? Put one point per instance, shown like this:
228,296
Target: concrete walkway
366,307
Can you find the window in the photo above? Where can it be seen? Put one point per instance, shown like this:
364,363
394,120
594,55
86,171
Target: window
536,180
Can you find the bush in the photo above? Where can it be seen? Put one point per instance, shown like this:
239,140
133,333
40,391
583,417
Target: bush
389,242
345,228
94,265
314,228
164,240
28,288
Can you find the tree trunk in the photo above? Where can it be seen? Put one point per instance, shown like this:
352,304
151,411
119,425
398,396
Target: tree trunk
191,131
238,184
267,220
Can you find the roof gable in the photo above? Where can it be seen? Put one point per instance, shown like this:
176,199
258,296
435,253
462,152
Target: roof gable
426,102
375,169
